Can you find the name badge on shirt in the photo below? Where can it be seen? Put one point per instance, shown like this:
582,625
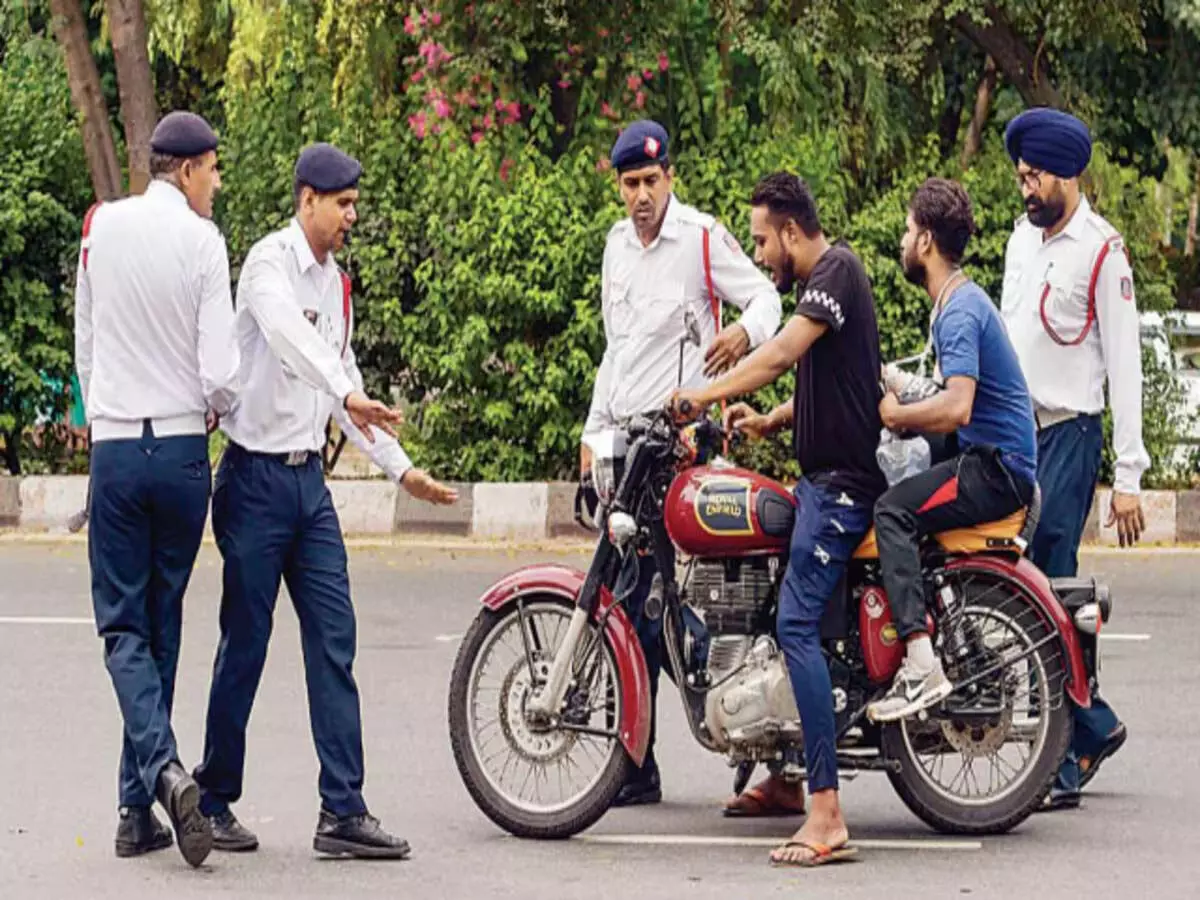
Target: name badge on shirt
326,328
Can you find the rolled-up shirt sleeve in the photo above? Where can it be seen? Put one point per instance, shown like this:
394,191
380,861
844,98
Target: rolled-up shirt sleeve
737,280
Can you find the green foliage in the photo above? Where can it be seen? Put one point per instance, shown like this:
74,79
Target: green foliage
43,192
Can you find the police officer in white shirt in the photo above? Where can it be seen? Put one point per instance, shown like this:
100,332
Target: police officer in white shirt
273,516
155,351
665,259
1068,304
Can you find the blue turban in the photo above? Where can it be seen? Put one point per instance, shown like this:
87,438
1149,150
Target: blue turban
1050,140
641,144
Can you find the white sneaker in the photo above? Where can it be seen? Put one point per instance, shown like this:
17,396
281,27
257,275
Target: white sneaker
911,692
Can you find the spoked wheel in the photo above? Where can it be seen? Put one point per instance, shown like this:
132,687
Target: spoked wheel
982,762
535,779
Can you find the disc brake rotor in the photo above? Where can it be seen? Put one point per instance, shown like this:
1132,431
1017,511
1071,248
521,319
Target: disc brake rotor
974,739
535,746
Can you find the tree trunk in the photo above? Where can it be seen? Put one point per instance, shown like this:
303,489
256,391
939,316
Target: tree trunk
1004,44
983,108
71,31
1189,248
127,25
12,454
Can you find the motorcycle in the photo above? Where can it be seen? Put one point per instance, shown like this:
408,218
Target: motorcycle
549,703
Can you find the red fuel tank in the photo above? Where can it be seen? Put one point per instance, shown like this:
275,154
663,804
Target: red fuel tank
727,511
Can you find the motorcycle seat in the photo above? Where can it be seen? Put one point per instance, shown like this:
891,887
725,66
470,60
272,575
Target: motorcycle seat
999,535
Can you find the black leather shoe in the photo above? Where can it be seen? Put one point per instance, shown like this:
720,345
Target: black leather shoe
139,831
1059,799
359,836
231,835
643,789
1088,768
180,796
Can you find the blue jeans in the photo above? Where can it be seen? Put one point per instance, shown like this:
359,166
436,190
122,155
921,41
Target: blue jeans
829,527
276,522
1068,467
149,500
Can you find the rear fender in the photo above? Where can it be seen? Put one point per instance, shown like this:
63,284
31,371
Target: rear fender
563,581
1037,587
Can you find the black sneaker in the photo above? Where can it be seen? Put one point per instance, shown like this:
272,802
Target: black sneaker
231,835
643,789
358,836
140,831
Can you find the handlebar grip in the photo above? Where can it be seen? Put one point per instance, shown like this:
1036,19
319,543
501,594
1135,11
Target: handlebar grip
685,407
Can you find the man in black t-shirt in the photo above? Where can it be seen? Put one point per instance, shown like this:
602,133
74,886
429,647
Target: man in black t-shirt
833,342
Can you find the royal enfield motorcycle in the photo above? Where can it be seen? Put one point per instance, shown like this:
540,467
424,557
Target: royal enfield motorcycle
549,702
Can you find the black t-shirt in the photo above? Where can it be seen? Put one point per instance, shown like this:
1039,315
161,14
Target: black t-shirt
837,424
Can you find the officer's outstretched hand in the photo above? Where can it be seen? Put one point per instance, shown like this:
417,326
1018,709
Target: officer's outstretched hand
365,412
727,348
423,486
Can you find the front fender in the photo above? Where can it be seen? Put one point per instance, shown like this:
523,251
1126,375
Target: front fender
564,581
1037,587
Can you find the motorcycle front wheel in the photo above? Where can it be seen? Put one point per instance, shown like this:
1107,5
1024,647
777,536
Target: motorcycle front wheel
985,760
535,781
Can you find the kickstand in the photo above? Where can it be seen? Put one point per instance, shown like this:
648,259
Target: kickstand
744,770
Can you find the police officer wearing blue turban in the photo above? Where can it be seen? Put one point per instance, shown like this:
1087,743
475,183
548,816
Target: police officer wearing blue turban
1068,304
665,260
274,518
157,363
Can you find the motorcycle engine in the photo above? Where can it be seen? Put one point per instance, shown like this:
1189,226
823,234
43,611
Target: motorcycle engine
749,705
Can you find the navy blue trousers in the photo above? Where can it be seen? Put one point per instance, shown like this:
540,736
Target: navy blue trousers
650,636
829,527
148,506
276,522
1068,467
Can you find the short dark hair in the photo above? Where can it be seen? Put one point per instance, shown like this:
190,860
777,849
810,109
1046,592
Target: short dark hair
787,195
164,164
943,208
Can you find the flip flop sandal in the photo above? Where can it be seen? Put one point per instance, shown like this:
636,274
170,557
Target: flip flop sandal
752,803
822,854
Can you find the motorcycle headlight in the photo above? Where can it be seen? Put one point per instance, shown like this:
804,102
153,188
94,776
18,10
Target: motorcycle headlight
608,452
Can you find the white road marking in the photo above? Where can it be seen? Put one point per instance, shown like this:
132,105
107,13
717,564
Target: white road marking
447,638
45,620
1106,636
701,840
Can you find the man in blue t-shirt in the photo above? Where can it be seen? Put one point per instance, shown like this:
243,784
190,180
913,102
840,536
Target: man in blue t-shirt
985,404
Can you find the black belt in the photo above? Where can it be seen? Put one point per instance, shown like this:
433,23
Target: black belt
291,458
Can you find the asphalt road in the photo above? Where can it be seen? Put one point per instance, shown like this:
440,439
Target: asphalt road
59,739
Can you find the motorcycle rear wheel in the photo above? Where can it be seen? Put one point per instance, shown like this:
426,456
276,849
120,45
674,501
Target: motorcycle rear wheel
1045,714
478,743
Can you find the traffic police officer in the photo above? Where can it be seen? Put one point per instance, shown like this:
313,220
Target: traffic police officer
1068,304
273,516
155,352
665,259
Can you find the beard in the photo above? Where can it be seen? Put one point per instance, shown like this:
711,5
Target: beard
914,271
1045,213
785,276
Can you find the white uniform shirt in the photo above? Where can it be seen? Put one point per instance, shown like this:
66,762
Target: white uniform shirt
1070,379
153,317
644,293
297,363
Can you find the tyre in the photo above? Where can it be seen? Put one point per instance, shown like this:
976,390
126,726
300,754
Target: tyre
545,783
1014,725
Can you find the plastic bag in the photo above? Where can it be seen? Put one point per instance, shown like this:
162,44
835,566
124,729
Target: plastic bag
901,458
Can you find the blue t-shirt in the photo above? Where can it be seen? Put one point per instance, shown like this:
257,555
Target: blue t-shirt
970,340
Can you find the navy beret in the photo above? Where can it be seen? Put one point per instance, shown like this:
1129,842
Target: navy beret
326,169
644,142
1051,140
183,134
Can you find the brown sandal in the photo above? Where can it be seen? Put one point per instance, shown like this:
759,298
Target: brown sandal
822,854
759,803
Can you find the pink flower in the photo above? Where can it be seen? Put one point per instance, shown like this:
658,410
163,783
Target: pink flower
416,76
564,83
633,82
607,111
410,27
647,74
603,32
441,108
424,17
436,18
505,169
663,62
416,123
476,137
488,121
465,98
437,129
512,112
499,105
639,100
604,164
